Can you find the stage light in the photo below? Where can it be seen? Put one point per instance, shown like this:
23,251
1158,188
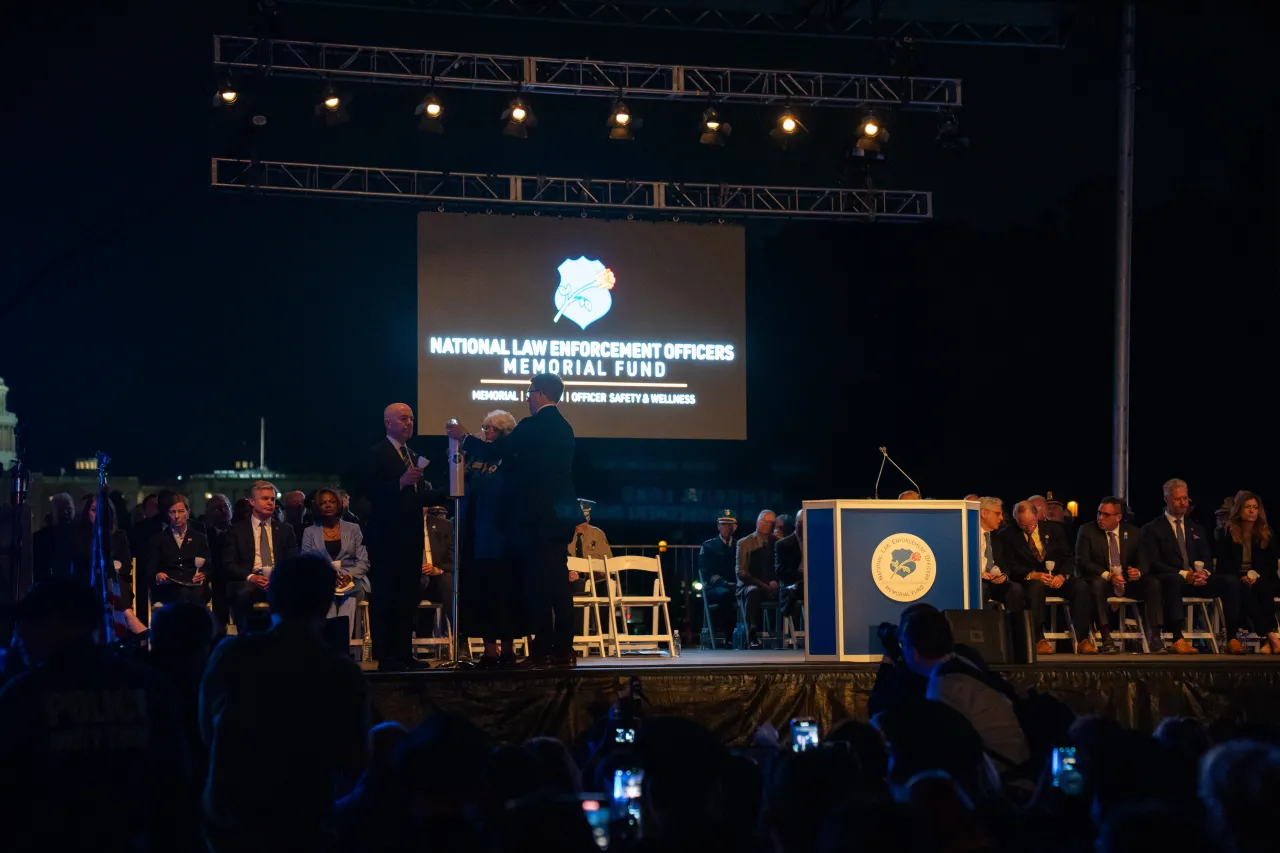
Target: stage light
432,112
519,118
949,137
697,585
714,129
208,496
228,95
621,122
333,105
787,127
871,136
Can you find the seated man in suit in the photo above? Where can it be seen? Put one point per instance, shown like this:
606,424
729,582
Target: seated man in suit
996,585
717,573
253,547
1108,556
588,541
1175,550
436,582
177,558
788,566
1041,561
756,580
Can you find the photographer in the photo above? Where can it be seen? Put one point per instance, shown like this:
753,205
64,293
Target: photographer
895,682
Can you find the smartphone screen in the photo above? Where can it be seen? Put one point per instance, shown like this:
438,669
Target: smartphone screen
624,734
1066,775
804,734
627,787
597,818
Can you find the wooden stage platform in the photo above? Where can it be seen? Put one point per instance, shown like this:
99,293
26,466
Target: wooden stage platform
733,692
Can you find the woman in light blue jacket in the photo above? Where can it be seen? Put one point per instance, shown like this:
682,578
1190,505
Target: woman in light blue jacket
342,544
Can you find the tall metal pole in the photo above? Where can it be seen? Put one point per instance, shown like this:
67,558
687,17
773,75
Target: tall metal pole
1124,246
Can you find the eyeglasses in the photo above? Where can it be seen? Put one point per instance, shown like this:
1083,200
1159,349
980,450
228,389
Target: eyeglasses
1102,514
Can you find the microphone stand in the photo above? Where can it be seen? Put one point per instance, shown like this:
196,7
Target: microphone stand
19,486
101,571
457,490
885,453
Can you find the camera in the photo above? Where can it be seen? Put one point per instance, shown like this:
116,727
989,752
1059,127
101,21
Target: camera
888,635
804,734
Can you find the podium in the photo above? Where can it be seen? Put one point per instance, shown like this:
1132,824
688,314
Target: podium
866,560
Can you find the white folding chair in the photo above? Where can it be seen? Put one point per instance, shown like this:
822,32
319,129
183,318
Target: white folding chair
361,644
793,638
475,646
589,605
1211,620
1051,632
1125,606
443,631
657,601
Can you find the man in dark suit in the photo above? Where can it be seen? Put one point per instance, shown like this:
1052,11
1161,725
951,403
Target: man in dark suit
140,540
1175,550
996,585
253,547
217,524
716,571
1108,555
177,559
538,510
1029,548
391,478
788,567
436,581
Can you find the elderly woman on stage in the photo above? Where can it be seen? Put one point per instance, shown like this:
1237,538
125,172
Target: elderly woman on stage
490,598
342,544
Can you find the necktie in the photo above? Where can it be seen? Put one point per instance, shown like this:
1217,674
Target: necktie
986,549
426,544
579,545
1113,546
1035,549
264,546
404,455
1182,542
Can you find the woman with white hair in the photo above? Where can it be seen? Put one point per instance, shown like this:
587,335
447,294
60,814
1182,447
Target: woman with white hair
492,608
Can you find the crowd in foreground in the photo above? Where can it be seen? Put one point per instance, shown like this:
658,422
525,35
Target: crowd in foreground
267,741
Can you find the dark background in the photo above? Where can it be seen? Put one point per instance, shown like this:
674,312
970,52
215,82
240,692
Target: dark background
977,347
495,277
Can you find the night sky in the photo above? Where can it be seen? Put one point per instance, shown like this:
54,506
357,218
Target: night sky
147,316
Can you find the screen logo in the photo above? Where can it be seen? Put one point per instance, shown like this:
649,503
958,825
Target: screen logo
583,294
903,567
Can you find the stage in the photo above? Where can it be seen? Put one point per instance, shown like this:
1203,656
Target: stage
733,692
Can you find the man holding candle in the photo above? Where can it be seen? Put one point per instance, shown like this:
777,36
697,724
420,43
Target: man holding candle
1040,560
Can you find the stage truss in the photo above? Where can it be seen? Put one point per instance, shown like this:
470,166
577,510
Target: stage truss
511,194
422,68
1049,32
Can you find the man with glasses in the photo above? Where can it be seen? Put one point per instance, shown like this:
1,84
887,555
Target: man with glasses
995,582
1108,556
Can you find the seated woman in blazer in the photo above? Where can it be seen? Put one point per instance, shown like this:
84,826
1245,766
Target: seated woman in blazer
1248,549
341,543
176,559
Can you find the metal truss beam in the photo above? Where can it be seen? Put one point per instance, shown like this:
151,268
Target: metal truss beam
800,23
582,76
582,196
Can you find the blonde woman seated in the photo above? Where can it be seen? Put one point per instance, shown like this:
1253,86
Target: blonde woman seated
342,544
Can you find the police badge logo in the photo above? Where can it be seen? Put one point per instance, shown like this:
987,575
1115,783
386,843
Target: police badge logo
903,567
583,294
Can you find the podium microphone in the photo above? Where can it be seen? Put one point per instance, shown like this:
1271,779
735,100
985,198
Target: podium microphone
885,453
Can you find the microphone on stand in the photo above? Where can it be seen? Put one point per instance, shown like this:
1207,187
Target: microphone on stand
885,453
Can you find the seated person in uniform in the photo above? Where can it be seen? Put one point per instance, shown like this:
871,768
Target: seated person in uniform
176,559
588,541
716,573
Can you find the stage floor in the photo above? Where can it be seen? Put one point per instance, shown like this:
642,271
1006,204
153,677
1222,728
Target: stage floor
732,692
